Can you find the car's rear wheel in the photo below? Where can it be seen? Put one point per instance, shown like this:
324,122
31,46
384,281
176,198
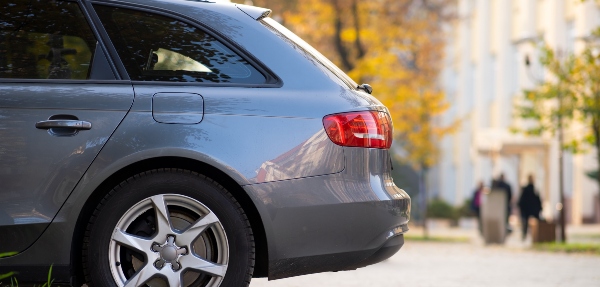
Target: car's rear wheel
168,228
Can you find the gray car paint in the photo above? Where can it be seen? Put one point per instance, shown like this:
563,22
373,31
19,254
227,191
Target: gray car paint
324,217
313,196
39,169
177,108
255,138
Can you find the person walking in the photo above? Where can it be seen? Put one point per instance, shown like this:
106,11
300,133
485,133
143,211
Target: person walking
529,204
476,203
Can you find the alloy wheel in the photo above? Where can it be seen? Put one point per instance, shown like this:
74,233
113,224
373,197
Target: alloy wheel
168,240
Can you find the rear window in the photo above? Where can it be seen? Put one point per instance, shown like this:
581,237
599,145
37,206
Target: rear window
158,48
311,53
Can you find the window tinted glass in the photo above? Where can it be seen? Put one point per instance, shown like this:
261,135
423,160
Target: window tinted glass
308,51
44,40
158,48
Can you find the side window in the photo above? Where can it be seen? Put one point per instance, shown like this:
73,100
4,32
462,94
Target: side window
158,48
42,39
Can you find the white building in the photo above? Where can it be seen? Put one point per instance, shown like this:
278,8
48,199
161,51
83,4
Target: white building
485,73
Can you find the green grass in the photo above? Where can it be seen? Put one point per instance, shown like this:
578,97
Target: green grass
444,239
13,280
9,274
587,248
6,254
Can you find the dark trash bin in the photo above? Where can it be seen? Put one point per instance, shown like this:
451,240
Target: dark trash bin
543,231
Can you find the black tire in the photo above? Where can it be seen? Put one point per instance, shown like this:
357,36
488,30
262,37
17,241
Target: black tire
174,185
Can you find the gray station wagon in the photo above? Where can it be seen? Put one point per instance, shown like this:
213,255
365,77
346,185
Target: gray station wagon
184,143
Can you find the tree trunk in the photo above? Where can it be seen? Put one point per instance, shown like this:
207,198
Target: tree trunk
423,200
339,44
596,131
357,43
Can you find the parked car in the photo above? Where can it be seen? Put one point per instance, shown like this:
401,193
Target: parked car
184,143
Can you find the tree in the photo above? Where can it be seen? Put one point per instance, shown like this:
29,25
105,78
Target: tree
397,46
552,102
551,106
571,94
587,85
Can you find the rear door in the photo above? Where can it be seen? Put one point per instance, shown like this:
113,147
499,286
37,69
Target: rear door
60,101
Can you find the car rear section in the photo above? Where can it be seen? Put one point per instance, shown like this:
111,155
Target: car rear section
334,222
342,220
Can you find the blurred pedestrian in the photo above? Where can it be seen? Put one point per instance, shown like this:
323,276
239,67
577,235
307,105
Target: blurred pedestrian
476,203
529,203
500,184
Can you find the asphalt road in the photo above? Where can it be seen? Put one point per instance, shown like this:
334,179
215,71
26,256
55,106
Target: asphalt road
460,264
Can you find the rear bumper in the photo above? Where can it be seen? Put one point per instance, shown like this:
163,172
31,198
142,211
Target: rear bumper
333,222
289,267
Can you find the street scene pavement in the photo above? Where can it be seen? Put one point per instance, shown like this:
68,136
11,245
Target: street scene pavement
469,263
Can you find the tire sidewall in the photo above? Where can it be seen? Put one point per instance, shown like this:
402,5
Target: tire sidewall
141,187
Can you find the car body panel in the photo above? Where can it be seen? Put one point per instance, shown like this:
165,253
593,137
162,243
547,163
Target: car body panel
177,108
342,213
140,137
39,169
257,151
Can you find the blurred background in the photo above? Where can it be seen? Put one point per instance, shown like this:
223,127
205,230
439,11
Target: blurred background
477,89
458,77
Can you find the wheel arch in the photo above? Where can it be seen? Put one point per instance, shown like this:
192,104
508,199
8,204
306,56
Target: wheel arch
261,248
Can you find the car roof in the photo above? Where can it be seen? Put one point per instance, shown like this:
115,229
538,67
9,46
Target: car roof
221,6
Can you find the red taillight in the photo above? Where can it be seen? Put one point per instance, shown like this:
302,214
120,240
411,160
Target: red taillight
360,129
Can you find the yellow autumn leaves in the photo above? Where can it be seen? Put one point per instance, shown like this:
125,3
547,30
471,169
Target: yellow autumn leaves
396,46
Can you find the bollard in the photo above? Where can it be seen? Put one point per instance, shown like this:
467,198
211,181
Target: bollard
493,216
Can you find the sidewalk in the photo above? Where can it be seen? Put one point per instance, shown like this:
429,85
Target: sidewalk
465,264
589,233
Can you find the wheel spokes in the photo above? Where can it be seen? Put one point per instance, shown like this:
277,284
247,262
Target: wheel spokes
168,252
174,278
190,234
142,276
163,224
196,263
138,243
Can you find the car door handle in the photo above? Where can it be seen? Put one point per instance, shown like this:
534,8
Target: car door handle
69,124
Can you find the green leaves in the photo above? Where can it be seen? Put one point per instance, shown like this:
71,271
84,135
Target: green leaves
7,275
596,33
49,280
560,99
397,47
7,254
10,274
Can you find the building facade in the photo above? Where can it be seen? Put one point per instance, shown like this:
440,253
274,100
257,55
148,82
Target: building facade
485,73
